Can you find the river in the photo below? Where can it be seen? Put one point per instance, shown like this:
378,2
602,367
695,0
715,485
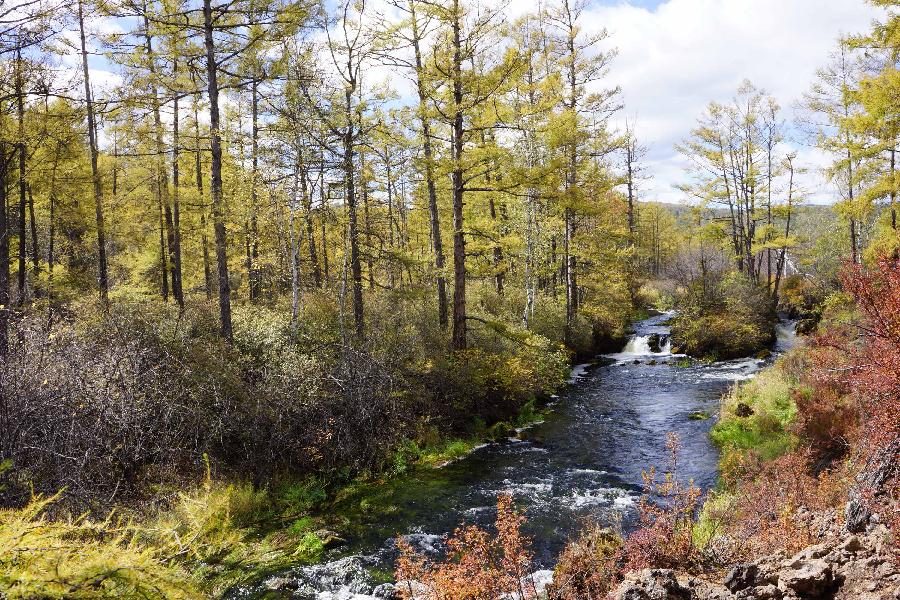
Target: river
583,462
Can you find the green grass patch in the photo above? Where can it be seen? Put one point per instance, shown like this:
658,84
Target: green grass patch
717,511
766,401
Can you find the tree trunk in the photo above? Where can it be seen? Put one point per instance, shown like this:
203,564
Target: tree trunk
324,208
4,254
102,271
307,215
204,240
35,250
554,280
497,251
850,197
163,254
893,190
571,183
434,215
629,159
253,270
390,214
51,232
23,245
782,255
350,193
218,208
571,281
176,202
295,276
173,263
459,240
367,221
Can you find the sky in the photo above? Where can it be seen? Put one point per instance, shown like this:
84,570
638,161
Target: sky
676,56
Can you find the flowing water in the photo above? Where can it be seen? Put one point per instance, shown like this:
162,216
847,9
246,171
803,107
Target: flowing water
583,462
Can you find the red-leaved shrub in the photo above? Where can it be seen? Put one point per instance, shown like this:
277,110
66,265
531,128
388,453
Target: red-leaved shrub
875,376
775,509
590,566
666,512
479,566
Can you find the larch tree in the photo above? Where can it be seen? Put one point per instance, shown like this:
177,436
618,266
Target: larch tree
829,107
584,64
467,71
96,182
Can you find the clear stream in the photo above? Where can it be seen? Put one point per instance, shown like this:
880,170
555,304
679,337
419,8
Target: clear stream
583,462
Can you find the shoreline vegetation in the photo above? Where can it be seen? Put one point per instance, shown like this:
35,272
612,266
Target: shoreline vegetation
187,539
806,502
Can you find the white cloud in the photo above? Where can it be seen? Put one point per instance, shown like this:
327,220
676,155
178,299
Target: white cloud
675,59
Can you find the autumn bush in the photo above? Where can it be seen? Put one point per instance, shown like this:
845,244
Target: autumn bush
480,565
875,374
666,511
496,385
111,404
875,380
590,566
722,319
108,406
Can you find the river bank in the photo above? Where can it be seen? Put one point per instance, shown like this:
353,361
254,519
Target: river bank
583,462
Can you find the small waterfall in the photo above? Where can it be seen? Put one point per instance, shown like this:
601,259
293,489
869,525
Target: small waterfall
653,344
785,335
638,345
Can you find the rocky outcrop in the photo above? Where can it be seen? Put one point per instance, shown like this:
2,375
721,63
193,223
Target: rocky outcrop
652,584
845,567
870,482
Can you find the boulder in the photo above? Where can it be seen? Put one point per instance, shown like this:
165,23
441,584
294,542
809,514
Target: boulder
741,577
807,579
809,553
743,410
763,592
851,544
330,539
388,591
870,482
652,584
856,514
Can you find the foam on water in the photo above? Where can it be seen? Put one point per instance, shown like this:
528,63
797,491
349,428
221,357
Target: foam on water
587,472
598,497
578,371
638,346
